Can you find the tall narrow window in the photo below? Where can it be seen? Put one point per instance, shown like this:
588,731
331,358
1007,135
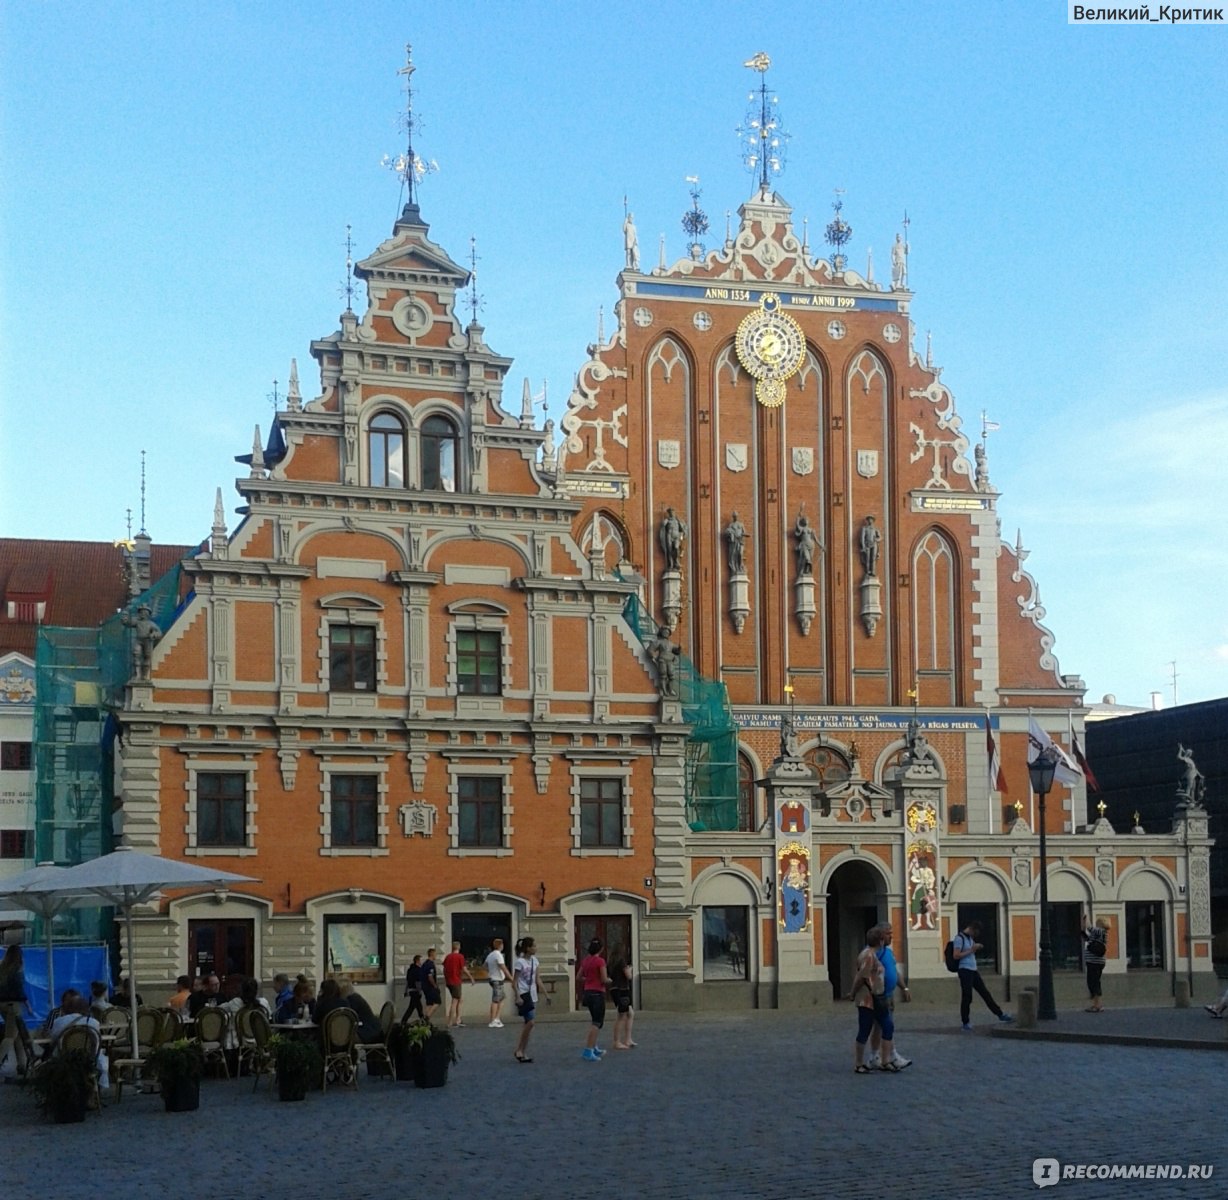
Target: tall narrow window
354,817
221,808
479,662
480,811
386,450
439,455
601,813
746,795
351,658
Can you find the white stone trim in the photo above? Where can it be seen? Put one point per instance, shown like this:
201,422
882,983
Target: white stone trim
345,766
239,766
622,773
501,770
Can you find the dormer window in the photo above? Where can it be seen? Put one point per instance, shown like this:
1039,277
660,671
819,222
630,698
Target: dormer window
440,446
386,451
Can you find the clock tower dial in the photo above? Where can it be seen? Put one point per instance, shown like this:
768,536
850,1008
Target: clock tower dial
771,346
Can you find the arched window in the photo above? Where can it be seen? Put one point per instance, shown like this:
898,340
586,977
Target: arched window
832,768
746,796
439,455
386,451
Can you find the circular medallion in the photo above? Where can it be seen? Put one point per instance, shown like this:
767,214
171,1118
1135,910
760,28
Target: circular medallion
702,321
770,392
836,330
642,317
771,346
891,332
411,316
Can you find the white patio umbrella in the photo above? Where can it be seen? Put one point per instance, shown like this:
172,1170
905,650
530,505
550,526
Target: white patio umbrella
125,878
29,891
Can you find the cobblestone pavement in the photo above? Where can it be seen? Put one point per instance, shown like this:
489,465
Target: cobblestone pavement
758,1104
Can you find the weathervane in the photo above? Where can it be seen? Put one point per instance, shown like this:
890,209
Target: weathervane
475,301
347,288
409,166
838,233
143,492
763,139
274,396
695,220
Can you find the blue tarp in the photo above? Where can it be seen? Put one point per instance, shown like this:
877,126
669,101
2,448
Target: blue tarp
75,966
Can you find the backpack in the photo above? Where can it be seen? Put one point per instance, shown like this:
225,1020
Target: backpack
948,956
1096,946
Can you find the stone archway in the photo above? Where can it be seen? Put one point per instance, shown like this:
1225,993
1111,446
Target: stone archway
855,901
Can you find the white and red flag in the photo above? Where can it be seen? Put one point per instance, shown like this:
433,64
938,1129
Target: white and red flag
1084,765
997,781
1038,740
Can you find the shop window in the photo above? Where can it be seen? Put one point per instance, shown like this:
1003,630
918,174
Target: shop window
480,811
439,455
386,451
601,813
221,808
15,756
726,942
16,843
351,658
1144,934
479,662
476,931
356,947
353,811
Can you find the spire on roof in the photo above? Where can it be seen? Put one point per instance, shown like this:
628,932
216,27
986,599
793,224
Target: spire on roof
763,138
409,166
257,456
294,398
218,545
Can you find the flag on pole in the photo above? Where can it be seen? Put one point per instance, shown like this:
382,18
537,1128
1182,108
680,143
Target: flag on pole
1038,740
997,781
1084,765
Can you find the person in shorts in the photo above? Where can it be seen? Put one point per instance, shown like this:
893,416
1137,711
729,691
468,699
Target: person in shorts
524,973
620,993
430,983
497,975
594,979
454,970
868,994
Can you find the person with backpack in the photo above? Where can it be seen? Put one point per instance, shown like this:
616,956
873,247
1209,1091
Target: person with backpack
1095,947
891,979
963,948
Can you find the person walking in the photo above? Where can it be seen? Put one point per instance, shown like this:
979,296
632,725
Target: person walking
594,979
868,995
620,993
455,968
1095,947
891,979
497,975
524,975
14,1006
413,989
430,983
966,946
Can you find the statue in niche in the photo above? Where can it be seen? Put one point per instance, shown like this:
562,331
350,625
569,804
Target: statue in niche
982,468
1194,783
870,542
917,750
735,539
664,655
671,536
145,636
788,737
631,242
807,543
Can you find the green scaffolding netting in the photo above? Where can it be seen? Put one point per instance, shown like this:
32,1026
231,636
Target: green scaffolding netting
712,748
80,676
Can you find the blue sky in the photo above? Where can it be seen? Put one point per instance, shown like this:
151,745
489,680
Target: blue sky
178,179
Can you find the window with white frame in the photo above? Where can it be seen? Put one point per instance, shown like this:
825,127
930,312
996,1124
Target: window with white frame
479,662
353,811
221,806
351,658
601,813
479,802
386,451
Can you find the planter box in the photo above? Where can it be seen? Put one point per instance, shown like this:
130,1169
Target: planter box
181,1095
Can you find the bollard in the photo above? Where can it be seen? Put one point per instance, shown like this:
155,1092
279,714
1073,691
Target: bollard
1182,994
1025,1010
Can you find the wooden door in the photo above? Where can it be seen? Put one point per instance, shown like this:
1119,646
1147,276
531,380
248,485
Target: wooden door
615,935
225,947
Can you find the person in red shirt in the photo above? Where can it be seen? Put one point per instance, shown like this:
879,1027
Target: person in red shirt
454,970
594,979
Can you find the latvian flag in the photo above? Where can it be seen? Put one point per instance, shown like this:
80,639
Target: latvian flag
1084,766
997,781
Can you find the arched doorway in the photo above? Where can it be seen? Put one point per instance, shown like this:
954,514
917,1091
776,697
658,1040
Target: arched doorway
855,900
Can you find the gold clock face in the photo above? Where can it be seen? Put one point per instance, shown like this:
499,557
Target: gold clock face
771,346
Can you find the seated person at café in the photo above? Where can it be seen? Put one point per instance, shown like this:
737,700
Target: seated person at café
301,1000
209,994
328,999
282,989
183,993
368,1023
98,999
249,997
66,996
76,1011
122,995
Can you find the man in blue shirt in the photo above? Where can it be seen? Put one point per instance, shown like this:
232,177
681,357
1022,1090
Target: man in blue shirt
891,978
966,946
285,993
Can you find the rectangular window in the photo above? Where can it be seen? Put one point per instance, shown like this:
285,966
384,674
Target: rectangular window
479,662
353,806
15,756
601,813
221,808
16,843
725,942
480,811
351,658
355,947
1144,934
476,931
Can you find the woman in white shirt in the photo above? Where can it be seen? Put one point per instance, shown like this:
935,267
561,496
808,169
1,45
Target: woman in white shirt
524,973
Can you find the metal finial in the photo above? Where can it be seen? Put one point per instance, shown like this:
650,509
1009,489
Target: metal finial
143,493
838,233
763,138
987,426
600,324
129,513
274,396
475,301
695,220
347,288
409,166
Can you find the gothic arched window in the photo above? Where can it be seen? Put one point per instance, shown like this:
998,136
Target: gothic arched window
386,451
746,796
440,455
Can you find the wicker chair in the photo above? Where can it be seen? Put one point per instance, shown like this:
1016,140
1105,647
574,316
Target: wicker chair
212,1025
116,1019
148,1034
340,1028
379,1049
172,1026
85,1038
260,1054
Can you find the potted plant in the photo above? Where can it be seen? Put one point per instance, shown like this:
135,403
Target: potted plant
400,1048
179,1067
64,1084
298,1064
432,1050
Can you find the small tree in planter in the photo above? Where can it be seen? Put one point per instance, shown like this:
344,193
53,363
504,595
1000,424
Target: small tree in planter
298,1064
179,1066
431,1050
64,1084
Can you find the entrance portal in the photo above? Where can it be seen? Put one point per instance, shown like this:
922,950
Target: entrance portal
855,900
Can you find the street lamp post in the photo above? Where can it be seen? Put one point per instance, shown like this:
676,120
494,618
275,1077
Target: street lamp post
1041,770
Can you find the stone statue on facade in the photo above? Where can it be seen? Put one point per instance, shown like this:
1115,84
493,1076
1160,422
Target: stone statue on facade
671,536
982,468
803,532
631,242
145,636
735,540
789,746
917,752
899,263
664,655
870,541
1193,786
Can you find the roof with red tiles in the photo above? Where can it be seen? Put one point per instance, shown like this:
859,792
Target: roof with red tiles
81,584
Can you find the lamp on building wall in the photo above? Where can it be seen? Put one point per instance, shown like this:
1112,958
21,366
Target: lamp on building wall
1041,770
